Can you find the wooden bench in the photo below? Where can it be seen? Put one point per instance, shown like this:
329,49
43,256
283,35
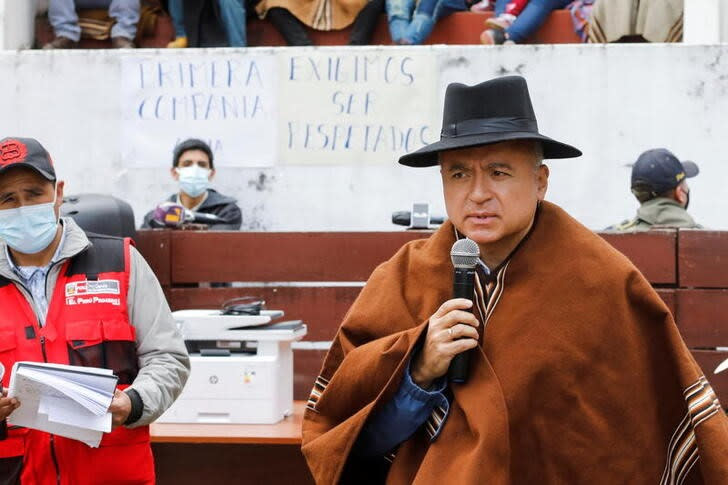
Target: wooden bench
316,276
460,28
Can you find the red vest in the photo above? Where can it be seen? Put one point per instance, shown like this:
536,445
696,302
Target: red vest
87,324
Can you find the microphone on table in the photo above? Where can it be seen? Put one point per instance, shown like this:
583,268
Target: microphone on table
404,218
464,255
418,218
171,214
204,217
4,422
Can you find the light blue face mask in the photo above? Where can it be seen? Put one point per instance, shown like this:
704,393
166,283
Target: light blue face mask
193,180
29,229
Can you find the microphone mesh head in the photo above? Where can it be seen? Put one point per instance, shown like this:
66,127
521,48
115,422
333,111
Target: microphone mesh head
465,253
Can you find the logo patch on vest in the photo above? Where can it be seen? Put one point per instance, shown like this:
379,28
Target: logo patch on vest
99,287
84,292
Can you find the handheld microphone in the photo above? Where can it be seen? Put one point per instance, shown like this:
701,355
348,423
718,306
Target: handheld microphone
4,422
464,255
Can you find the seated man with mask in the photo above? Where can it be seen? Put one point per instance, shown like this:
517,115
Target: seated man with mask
68,297
659,182
193,168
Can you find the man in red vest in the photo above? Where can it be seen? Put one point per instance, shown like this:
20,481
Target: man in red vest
69,297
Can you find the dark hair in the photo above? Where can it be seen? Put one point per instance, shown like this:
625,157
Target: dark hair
645,192
191,144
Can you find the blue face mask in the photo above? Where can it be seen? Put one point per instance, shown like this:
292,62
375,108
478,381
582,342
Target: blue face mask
193,180
29,229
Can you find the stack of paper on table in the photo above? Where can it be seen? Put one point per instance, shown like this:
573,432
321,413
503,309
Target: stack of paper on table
65,400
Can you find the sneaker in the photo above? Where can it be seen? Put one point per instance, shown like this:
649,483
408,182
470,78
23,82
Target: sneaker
61,43
482,6
122,43
178,43
493,37
502,22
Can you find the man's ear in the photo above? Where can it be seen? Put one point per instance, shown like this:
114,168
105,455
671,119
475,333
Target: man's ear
174,173
212,174
680,194
59,196
542,180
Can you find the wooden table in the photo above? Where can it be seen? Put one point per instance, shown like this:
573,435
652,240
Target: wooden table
286,432
231,453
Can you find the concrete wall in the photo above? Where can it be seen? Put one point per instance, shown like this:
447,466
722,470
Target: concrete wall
611,101
705,21
17,23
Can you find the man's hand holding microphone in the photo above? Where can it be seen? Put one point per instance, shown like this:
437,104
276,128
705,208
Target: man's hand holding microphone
452,329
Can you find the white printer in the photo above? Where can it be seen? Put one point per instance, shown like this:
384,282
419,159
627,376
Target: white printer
241,368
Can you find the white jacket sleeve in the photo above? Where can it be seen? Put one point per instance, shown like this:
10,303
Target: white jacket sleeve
164,364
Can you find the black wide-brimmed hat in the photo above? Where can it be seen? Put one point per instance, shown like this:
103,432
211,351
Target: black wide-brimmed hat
489,112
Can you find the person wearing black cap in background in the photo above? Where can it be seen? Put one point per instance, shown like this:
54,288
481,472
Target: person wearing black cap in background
659,182
193,168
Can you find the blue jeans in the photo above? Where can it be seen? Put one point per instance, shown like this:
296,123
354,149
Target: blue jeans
233,20
63,18
412,23
532,17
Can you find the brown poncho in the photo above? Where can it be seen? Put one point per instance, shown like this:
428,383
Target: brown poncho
654,20
317,14
582,376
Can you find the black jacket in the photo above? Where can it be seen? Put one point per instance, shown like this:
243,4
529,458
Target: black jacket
220,205
204,25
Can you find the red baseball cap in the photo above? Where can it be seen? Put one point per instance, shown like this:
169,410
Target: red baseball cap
26,152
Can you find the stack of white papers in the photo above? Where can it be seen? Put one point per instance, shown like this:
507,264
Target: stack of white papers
65,400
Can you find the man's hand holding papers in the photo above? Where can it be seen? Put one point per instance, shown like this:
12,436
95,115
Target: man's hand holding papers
120,408
65,400
7,405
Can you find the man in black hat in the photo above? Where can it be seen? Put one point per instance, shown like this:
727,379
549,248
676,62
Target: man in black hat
659,182
576,373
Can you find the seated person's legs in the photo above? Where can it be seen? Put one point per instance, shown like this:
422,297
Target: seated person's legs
126,14
399,14
500,7
63,18
532,17
423,21
176,11
232,13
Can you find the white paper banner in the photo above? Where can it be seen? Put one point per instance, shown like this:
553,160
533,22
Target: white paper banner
359,106
228,100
